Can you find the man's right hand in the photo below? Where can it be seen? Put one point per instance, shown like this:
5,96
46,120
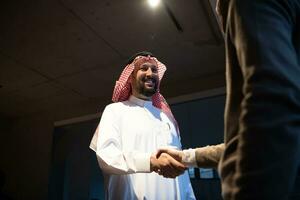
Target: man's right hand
176,154
166,165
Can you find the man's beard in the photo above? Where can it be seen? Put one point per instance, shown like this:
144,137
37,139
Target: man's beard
148,92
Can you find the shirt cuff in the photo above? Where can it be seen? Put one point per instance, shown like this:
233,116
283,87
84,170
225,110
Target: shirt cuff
142,162
189,157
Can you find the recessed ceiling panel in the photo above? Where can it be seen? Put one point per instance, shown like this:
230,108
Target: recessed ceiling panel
14,76
48,37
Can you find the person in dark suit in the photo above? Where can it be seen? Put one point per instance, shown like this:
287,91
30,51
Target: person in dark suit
262,116
261,155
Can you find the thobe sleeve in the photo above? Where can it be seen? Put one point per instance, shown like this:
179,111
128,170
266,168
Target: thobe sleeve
111,158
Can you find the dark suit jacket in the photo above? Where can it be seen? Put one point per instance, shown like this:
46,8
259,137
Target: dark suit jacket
262,115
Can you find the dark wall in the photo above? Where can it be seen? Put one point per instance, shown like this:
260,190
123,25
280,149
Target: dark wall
5,131
201,123
74,170
25,154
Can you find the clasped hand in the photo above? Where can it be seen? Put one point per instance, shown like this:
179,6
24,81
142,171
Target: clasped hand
168,163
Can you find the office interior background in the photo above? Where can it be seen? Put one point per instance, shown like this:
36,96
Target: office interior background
59,60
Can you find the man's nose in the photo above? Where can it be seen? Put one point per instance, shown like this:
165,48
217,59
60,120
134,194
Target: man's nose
149,72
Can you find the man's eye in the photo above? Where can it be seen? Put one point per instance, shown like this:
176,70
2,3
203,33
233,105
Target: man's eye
144,68
154,70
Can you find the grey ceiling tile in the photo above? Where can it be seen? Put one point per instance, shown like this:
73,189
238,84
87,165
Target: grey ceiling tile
15,77
52,40
42,91
90,83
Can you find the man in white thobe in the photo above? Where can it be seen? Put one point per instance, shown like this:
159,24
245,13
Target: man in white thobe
130,132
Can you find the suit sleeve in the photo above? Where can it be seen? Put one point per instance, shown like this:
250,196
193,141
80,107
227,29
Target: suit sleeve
209,156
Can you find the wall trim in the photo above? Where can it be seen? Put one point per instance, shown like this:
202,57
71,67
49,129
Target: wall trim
197,95
77,119
174,100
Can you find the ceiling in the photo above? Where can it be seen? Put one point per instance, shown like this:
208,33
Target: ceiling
62,57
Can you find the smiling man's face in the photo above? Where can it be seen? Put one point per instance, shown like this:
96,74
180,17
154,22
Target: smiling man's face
145,79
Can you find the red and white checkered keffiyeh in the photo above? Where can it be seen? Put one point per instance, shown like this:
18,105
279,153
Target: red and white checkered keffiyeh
122,90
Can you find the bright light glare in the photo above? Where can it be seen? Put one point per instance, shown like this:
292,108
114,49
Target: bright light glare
153,3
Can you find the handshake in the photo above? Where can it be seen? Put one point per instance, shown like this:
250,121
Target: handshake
170,163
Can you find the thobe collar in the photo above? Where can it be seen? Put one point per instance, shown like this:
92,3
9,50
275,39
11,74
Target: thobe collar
139,102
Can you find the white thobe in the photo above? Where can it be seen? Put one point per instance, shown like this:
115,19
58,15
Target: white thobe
129,132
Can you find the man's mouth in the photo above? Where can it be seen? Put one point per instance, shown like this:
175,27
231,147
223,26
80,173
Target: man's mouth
150,82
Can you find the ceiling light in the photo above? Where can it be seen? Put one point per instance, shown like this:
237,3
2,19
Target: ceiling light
153,3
